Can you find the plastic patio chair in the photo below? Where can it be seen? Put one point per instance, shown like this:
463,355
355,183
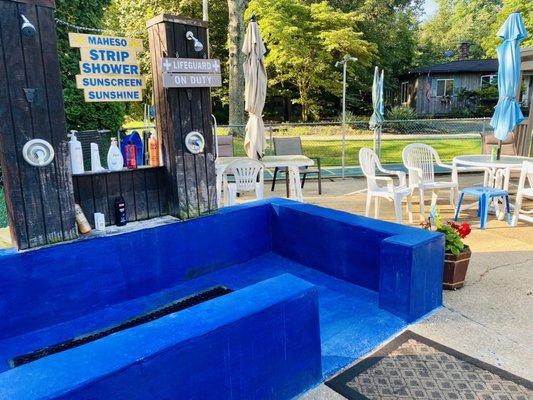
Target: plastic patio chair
249,177
525,190
289,146
508,145
225,146
420,160
383,186
485,195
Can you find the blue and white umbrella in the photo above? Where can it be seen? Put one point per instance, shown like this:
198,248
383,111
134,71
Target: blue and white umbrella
507,113
377,100
377,118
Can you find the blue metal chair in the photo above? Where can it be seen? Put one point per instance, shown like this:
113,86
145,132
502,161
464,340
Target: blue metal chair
485,195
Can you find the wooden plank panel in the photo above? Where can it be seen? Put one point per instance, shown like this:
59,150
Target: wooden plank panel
139,190
57,120
41,126
152,192
21,115
185,120
197,124
100,196
113,191
8,154
127,192
181,111
162,188
86,197
159,36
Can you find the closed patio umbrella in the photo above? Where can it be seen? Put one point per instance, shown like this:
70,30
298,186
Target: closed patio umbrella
255,91
507,113
377,118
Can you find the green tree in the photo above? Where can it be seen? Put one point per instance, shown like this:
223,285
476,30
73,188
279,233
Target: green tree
456,21
490,41
81,115
474,21
304,41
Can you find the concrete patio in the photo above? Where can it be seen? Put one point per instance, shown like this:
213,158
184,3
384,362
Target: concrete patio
490,318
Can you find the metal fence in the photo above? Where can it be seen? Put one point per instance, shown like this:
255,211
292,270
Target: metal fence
451,137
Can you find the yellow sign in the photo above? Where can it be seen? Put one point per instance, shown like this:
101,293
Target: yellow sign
103,42
98,94
107,81
109,67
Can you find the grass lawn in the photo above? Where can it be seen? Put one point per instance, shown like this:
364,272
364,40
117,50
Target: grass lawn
329,151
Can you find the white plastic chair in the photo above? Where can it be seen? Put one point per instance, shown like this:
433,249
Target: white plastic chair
525,190
383,186
420,160
249,177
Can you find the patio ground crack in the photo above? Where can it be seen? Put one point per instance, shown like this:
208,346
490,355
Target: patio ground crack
488,328
487,270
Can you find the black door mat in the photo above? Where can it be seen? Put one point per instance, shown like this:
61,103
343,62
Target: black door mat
414,367
173,307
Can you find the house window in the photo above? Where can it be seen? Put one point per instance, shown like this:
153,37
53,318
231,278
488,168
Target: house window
489,80
444,87
405,92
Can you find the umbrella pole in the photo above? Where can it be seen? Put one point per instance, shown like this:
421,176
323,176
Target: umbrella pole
499,151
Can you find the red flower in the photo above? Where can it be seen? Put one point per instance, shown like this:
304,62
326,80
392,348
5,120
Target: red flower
463,230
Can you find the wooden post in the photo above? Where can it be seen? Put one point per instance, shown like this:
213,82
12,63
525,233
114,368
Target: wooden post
40,200
191,178
526,55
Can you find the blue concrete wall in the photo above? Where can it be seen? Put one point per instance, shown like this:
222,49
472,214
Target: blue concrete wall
47,286
260,342
402,263
411,275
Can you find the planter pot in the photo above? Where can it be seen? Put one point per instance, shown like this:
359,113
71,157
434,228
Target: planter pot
455,267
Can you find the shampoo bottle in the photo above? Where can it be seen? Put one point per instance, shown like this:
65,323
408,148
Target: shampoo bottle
120,211
76,154
131,156
115,161
153,150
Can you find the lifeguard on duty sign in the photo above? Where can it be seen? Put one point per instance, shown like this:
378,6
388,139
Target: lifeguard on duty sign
190,73
109,67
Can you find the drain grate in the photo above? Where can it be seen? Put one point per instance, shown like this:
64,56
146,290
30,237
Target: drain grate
139,320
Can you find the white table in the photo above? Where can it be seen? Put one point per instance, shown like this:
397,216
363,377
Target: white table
292,163
500,171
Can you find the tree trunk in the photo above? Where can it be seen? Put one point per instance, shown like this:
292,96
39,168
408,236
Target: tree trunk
236,31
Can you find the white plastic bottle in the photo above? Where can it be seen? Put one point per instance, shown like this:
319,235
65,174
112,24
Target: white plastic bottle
76,154
96,166
115,161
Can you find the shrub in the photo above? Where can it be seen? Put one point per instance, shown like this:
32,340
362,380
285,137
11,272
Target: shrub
401,113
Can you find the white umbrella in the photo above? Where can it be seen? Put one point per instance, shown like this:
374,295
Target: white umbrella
255,90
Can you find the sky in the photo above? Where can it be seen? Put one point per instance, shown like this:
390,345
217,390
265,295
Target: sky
430,7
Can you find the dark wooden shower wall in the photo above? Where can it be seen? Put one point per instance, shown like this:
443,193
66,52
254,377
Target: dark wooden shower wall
144,191
40,201
191,178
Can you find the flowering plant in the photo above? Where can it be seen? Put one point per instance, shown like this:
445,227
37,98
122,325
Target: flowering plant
454,233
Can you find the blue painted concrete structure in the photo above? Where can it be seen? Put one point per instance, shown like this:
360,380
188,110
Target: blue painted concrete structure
371,277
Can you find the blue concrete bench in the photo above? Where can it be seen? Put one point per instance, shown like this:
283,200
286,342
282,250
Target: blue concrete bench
373,278
268,343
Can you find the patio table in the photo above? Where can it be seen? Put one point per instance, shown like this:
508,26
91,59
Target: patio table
498,168
500,171
292,163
